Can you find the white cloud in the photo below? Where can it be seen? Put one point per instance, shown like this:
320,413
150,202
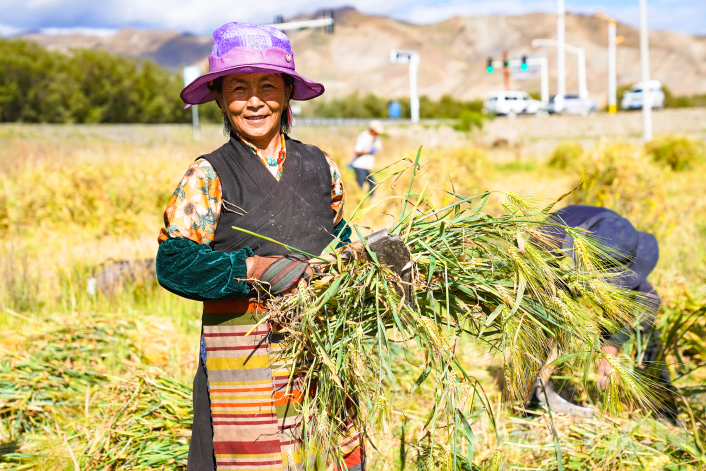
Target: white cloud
202,17
102,32
7,30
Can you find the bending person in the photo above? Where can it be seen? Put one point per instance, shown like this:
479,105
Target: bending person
636,251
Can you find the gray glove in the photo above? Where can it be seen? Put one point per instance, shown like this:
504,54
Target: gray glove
390,250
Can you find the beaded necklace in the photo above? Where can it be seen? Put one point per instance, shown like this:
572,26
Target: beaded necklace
274,165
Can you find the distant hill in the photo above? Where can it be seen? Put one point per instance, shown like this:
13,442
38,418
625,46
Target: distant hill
453,53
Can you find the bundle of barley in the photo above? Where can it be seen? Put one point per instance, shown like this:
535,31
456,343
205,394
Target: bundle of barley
502,280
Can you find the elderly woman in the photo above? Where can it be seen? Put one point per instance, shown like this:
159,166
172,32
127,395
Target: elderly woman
245,413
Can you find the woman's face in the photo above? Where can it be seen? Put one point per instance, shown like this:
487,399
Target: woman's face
254,104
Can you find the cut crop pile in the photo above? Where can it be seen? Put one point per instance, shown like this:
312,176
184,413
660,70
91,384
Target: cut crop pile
58,396
502,280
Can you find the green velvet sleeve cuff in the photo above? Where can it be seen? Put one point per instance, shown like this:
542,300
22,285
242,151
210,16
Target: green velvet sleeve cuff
196,271
343,234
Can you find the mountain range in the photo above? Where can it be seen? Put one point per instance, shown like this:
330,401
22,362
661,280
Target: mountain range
355,57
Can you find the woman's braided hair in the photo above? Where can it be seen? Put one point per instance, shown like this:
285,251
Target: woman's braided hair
285,120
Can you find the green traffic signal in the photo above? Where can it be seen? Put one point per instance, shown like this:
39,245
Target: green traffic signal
489,69
524,67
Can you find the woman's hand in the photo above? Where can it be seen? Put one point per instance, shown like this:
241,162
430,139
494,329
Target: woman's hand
353,251
257,266
604,368
283,274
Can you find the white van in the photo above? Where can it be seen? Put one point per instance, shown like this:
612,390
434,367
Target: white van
510,103
632,99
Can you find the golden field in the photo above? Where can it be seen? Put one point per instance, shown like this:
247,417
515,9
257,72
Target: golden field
76,197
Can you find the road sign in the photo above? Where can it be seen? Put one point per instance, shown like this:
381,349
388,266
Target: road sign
400,56
191,73
524,68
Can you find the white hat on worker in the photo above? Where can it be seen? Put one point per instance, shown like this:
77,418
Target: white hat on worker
376,125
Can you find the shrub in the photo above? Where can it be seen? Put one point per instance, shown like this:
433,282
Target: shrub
469,120
93,198
620,177
566,155
677,152
371,106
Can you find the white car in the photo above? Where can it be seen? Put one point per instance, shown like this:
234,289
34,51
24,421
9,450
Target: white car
572,104
632,99
510,103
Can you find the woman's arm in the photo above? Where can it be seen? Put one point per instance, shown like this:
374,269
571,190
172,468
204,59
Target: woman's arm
186,263
196,271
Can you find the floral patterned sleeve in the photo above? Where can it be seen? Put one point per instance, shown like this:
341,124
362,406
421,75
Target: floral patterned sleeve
338,193
194,208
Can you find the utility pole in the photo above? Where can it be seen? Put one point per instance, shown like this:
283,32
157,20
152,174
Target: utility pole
612,69
645,66
560,56
398,56
613,42
581,60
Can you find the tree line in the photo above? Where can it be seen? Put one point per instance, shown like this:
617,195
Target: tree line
87,86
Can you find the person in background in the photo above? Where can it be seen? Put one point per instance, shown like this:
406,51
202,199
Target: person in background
366,146
638,252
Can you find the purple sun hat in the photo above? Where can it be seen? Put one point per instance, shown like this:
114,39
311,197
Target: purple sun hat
241,48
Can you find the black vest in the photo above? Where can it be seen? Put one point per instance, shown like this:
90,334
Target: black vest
295,211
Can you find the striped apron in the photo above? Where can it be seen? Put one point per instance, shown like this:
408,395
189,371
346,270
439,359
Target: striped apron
254,412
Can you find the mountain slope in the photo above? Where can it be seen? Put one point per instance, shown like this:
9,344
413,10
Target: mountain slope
453,53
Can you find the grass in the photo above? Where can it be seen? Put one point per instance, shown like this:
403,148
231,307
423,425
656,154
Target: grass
47,254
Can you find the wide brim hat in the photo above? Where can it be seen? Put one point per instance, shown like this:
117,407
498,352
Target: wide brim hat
241,48
636,252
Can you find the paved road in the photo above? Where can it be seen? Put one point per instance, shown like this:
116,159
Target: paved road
624,124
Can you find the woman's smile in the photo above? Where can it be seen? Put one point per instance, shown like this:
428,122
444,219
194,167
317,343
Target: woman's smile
256,119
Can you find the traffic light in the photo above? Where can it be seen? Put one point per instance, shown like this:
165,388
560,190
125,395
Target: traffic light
524,67
490,68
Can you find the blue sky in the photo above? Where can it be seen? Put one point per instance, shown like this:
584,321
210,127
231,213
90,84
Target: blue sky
203,16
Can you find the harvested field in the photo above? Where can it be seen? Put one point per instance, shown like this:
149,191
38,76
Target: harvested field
77,369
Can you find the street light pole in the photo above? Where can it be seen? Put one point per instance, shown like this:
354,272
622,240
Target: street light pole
612,69
645,66
560,55
398,56
544,79
581,59
580,54
413,93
